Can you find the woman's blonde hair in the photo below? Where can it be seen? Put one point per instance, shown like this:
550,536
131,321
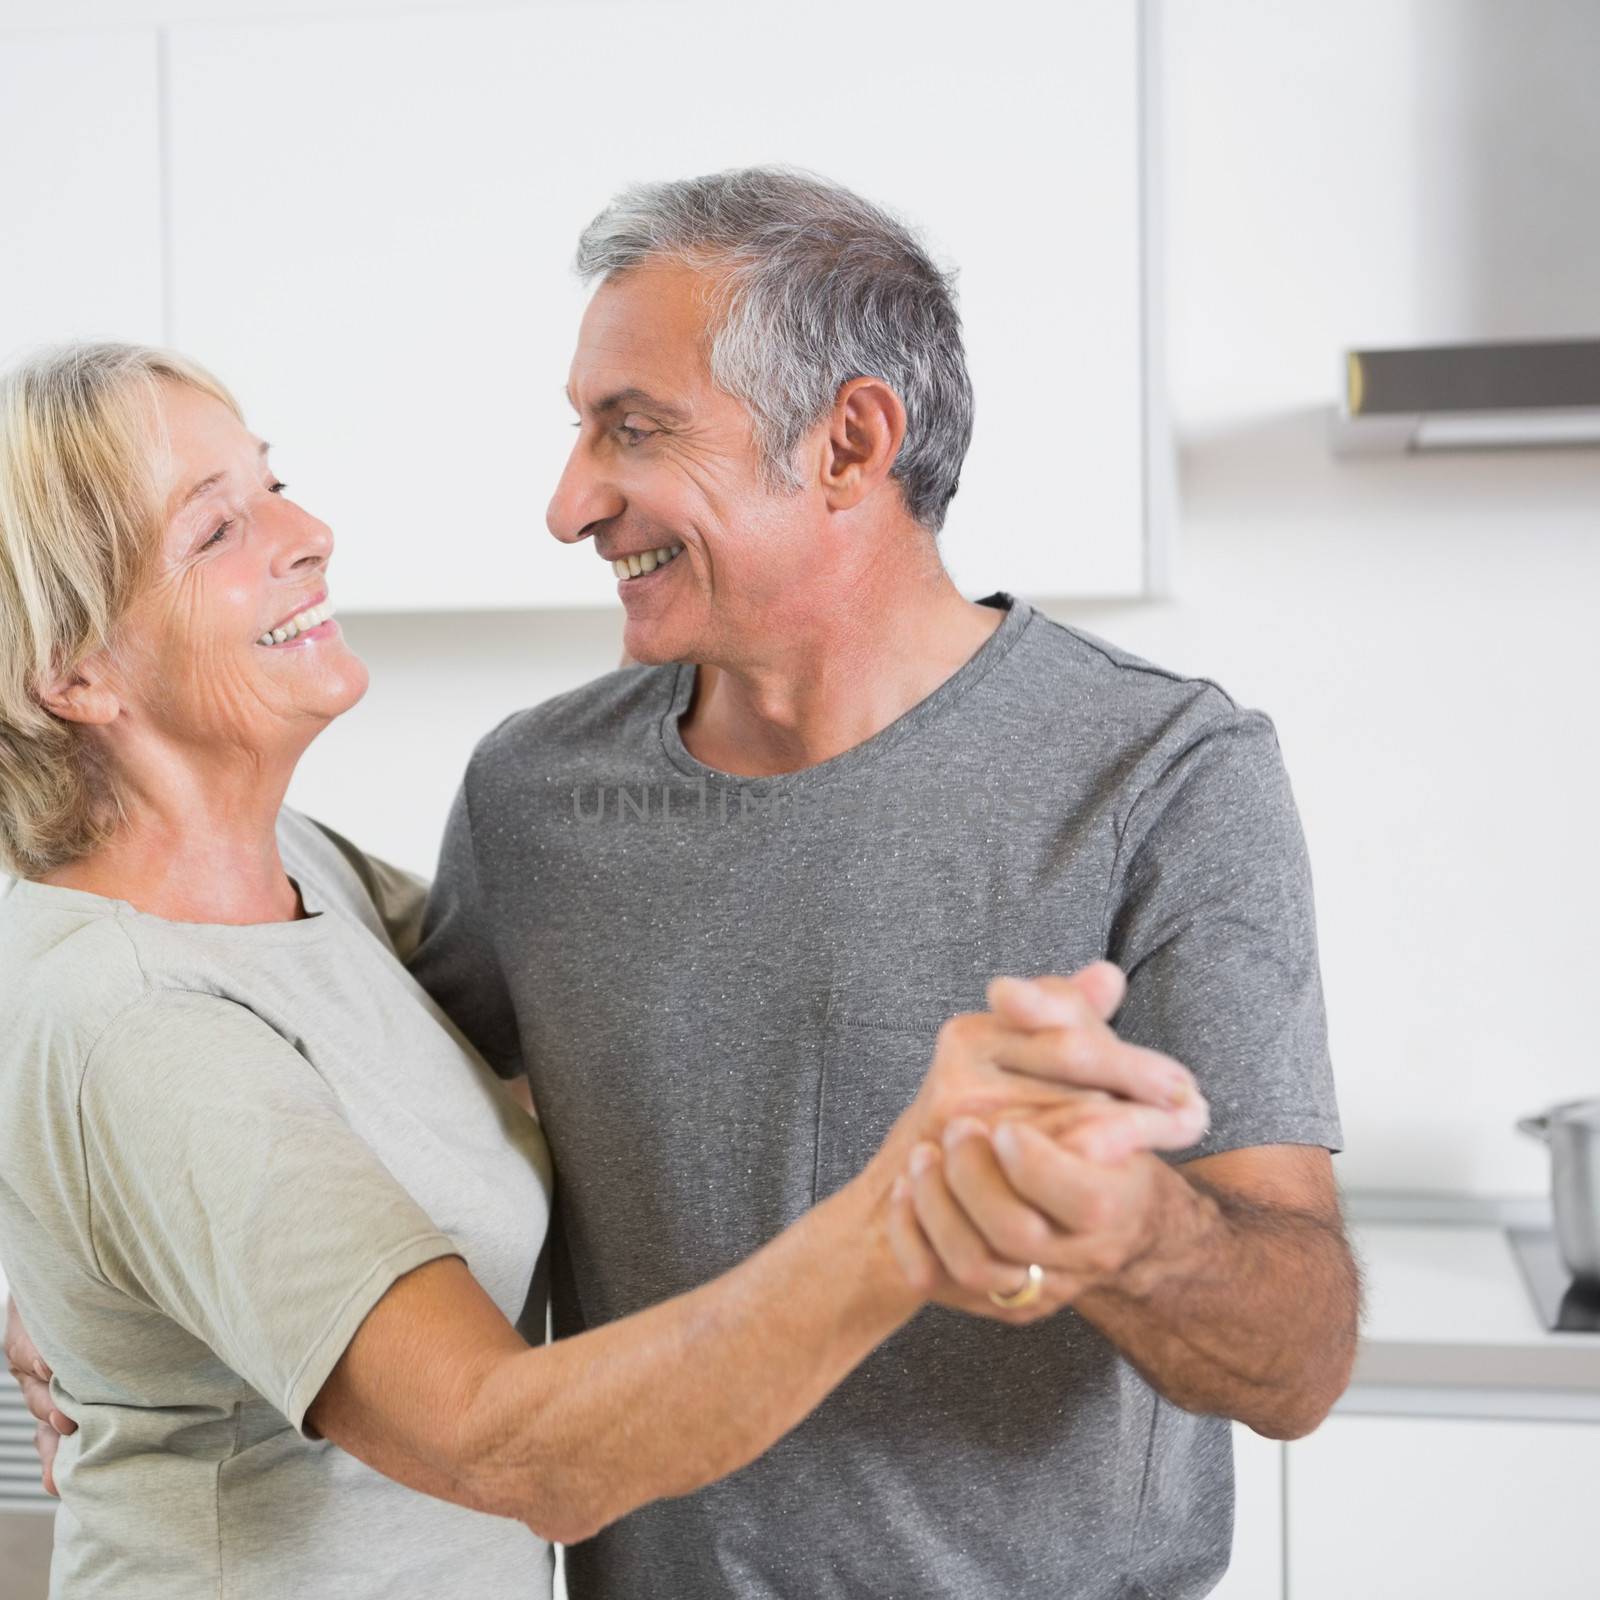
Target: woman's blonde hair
81,520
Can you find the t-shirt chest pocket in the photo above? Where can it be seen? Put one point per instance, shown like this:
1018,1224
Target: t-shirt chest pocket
871,1071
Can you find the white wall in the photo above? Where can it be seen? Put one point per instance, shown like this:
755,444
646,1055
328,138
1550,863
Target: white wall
1420,629
1379,171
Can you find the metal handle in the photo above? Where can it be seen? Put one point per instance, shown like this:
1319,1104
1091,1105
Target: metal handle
1536,1127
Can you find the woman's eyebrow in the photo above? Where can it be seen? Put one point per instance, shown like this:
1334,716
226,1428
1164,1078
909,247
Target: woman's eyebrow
205,485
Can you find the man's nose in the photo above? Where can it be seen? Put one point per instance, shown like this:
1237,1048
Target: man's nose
584,499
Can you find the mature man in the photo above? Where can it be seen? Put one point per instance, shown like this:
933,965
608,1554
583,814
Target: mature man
717,904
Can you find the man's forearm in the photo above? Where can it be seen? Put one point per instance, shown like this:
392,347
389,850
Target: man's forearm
1241,1309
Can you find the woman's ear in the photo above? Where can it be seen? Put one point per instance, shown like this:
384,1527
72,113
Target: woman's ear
82,695
865,432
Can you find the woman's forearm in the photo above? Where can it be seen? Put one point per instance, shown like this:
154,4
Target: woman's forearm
572,1436
437,1391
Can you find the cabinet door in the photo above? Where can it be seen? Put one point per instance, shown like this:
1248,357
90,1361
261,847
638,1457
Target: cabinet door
373,222
80,136
1390,1508
1255,1571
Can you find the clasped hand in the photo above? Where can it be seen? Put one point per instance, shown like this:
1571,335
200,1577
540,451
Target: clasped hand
1030,1145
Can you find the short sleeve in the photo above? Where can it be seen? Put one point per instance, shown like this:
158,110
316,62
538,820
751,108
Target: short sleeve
397,896
456,961
1211,918
228,1192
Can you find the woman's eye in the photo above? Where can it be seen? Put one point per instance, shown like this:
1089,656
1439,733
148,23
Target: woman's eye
277,488
222,529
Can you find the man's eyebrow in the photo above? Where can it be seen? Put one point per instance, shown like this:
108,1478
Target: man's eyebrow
206,485
632,397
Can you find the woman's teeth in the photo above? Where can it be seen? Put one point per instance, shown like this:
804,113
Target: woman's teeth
637,566
300,624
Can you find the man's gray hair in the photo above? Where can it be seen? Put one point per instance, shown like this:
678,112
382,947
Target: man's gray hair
815,286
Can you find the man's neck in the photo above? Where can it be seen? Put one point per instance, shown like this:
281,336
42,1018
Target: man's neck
819,692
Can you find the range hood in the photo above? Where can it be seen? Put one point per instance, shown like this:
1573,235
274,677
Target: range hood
1469,397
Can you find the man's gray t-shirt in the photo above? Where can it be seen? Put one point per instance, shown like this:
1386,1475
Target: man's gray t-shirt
725,990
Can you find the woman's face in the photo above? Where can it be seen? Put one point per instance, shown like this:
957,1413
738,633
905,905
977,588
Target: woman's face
197,658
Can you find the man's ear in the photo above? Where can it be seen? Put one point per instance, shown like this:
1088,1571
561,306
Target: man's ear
865,431
85,694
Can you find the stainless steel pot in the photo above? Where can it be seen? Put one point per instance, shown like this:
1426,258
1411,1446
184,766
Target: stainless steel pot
1572,1130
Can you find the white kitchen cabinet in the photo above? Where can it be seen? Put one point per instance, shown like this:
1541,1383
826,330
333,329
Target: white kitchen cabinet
80,146
1255,1571
373,219
1391,1508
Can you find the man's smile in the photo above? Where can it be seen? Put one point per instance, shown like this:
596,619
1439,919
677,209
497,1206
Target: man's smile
643,562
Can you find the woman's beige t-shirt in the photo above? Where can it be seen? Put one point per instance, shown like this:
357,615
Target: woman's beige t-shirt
219,1147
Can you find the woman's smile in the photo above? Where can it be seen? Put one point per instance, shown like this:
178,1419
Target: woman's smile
303,627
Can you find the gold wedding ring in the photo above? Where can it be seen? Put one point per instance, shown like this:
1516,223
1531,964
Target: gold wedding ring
1032,1287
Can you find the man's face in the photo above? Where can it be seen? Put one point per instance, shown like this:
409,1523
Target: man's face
665,461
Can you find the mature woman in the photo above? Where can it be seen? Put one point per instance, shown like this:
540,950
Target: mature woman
264,1205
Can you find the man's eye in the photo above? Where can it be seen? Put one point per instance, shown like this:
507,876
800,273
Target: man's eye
277,488
630,436
215,538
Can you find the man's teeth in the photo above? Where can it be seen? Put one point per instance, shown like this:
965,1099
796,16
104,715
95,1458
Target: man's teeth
636,566
299,624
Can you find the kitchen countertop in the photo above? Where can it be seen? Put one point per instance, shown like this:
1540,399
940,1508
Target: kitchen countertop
1450,1326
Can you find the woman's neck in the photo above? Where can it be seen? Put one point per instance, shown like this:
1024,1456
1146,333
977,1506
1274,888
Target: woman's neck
194,851
224,886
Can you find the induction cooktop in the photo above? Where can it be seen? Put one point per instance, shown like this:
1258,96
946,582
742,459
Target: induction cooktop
1564,1304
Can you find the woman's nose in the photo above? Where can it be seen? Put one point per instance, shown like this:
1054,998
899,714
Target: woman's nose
584,499
303,541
